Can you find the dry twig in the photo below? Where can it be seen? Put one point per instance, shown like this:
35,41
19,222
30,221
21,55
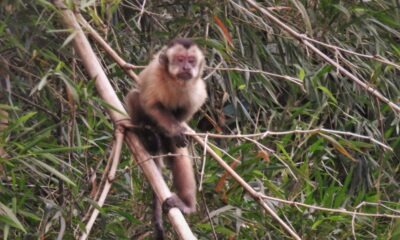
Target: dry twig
297,131
373,57
333,210
116,153
285,77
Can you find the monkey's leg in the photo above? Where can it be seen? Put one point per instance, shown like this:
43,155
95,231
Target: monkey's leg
184,182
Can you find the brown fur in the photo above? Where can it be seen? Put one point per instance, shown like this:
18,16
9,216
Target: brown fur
170,92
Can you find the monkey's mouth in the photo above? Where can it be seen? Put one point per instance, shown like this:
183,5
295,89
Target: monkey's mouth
184,76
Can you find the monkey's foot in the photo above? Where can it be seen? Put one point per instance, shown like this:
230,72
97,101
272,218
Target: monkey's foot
175,201
168,204
172,202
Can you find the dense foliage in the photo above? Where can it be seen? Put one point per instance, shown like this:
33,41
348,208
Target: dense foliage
59,136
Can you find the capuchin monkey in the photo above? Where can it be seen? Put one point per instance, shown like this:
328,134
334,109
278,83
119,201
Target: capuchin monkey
170,91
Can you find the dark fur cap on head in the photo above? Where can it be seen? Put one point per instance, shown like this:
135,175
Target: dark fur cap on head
185,42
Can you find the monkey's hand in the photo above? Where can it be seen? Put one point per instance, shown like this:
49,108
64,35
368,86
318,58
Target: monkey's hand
166,121
180,140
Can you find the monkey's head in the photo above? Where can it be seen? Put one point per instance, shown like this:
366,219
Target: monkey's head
182,59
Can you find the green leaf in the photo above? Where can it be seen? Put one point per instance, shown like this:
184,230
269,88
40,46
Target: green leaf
53,171
69,85
8,217
338,147
69,39
328,93
302,74
25,117
304,14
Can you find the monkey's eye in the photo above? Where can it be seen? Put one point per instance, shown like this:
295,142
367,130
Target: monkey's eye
191,60
180,59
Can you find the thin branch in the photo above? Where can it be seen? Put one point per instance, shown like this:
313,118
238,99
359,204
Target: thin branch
373,57
259,145
297,131
119,137
96,194
333,210
353,227
127,67
203,164
214,69
294,80
142,9
208,215
303,39
202,192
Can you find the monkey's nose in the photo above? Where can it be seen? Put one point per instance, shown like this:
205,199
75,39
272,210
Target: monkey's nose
186,67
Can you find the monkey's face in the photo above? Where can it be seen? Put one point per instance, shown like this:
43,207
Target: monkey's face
184,63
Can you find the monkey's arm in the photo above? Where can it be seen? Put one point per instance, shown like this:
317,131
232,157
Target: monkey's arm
168,123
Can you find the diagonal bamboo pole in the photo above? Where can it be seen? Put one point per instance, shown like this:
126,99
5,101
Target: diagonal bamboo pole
118,114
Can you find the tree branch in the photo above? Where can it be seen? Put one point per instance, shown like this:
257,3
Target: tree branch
297,131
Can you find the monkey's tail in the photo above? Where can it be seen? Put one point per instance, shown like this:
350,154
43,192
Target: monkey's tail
157,219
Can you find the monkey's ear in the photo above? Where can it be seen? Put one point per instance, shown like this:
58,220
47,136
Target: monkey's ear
163,59
201,67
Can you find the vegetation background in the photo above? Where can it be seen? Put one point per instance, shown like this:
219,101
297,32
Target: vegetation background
55,135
